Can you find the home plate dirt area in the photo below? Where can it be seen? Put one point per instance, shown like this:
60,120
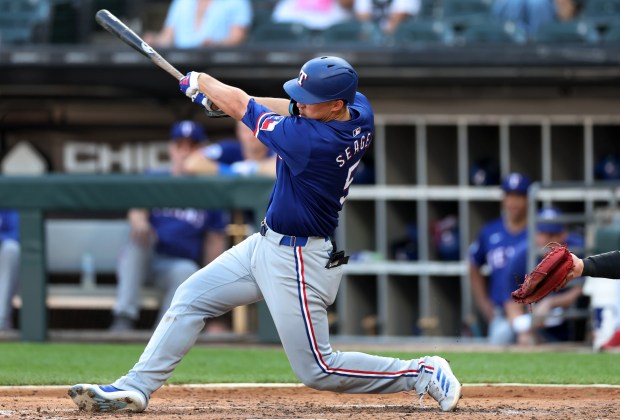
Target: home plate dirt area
177,402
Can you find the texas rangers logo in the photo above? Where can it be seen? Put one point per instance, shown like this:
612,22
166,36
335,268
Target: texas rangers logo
357,131
270,122
302,76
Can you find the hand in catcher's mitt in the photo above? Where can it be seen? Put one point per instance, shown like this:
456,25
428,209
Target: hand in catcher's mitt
549,275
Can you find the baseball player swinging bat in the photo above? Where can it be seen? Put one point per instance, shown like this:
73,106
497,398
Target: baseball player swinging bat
115,26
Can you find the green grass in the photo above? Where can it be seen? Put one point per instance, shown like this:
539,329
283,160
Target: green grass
62,364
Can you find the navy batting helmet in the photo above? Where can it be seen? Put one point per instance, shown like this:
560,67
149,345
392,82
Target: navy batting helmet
516,183
323,79
608,168
187,129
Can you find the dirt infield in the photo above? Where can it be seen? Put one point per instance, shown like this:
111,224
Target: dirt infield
478,402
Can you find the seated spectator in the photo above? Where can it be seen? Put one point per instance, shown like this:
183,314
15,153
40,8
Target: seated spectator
9,265
313,14
244,156
388,14
167,245
530,15
545,323
204,23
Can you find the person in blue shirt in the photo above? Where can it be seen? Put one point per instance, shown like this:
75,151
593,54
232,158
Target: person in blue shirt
204,23
545,323
167,245
10,252
243,156
319,136
493,248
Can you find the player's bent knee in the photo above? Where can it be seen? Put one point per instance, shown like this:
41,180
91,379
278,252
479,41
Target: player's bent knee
316,380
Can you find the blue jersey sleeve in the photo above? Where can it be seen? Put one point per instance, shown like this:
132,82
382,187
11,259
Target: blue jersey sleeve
282,134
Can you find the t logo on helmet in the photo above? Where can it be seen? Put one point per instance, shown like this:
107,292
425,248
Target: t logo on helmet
302,76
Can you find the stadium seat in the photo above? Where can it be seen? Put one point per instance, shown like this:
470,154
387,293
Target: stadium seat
279,34
601,9
492,32
351,33
612,34
428,9
416,32
462,10
24,22
567,32
601,14
262,11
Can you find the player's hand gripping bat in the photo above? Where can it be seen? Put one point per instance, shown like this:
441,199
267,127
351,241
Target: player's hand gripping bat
115,26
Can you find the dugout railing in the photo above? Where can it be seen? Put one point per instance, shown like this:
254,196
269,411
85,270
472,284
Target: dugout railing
34,196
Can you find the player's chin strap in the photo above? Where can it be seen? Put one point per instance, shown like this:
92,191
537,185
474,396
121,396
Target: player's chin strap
336,258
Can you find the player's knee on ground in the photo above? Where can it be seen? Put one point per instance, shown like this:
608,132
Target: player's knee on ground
315,379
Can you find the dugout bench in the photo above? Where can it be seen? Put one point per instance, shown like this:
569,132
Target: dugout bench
33,196
73,245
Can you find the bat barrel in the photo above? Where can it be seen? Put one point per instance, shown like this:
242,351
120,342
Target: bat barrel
114,25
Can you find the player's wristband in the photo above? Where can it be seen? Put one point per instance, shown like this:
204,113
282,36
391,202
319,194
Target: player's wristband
224,169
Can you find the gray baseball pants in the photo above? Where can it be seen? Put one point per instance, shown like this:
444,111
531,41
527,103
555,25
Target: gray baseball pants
297,289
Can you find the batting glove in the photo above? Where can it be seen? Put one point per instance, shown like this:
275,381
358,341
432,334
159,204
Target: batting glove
189,84
202,99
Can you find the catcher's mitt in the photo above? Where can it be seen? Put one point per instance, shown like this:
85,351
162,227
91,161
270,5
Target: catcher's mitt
549,275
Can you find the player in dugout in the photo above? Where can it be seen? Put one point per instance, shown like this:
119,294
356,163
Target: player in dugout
319,135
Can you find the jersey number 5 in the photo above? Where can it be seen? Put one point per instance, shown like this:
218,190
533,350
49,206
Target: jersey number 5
349,181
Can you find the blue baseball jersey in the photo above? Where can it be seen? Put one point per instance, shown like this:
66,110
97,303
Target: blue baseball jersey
227,151
315,166
181,232
495,246
9,225
224,151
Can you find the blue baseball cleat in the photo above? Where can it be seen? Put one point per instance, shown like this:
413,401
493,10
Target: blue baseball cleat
439,381
104,398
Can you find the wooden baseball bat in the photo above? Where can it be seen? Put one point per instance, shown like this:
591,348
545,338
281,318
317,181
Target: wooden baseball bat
114,25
